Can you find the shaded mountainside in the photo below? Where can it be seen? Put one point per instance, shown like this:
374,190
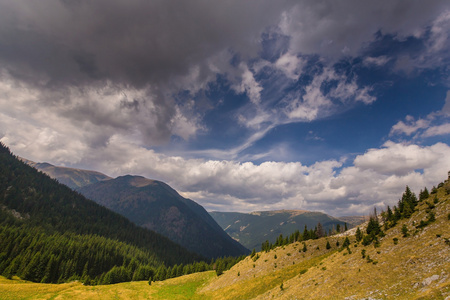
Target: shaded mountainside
73,178
252,229
155,205
51,233
408,259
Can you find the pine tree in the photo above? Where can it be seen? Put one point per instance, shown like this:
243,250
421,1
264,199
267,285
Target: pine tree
359,235
319,230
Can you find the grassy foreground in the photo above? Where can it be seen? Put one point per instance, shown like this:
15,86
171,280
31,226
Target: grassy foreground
177,288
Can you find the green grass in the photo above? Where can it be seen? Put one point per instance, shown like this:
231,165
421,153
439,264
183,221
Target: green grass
184,287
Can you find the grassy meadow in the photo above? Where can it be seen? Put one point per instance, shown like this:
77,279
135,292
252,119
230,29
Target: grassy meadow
177,288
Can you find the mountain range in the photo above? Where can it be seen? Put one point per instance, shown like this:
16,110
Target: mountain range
50,233
153,205
252,229
73,178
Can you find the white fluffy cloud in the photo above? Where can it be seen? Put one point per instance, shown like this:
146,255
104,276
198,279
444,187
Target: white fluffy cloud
434,124
375,178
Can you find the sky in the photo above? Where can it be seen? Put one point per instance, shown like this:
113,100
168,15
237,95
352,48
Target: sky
331,106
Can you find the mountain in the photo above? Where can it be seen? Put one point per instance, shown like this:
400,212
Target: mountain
252,229
73,178
155,205
409,258
50,233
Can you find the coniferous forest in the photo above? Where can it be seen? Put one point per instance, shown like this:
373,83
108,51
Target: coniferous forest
51,234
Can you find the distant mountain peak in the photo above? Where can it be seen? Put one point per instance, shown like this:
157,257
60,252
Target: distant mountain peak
138,181
72,177
292,212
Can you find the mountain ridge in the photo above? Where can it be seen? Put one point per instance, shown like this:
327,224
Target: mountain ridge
151,204
155,205
50,233
254,228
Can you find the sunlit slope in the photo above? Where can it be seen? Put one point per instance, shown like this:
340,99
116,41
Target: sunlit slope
184,287
414,267
417,267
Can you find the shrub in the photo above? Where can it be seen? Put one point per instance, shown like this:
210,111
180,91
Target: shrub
405,230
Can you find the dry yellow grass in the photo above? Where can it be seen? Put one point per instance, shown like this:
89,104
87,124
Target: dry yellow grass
418,267
177,288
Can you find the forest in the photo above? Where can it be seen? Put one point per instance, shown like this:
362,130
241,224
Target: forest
51,234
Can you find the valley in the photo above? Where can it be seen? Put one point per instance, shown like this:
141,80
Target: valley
407,257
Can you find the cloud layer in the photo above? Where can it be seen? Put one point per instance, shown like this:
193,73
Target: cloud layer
143,87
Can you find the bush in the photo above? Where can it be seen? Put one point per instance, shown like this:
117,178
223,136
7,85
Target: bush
405,230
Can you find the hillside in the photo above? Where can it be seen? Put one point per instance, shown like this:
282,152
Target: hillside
411,266
155,205
252,229
73,178
50,233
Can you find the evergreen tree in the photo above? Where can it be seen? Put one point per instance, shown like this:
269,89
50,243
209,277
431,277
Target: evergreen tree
319,231
359,235
423,195
306,233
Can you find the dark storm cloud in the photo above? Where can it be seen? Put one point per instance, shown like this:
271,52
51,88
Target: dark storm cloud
101,83
133,42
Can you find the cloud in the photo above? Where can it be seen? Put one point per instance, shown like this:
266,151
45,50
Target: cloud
291,65
343,28
147,54
411,126
377,177
100,84
434,124
316,102
377,61
443,129
396,159
249,85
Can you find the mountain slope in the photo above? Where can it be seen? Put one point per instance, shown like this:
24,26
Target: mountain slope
410,263
252,229
155,205
73,178
50,233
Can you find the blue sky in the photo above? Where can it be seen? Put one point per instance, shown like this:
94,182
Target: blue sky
239,105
